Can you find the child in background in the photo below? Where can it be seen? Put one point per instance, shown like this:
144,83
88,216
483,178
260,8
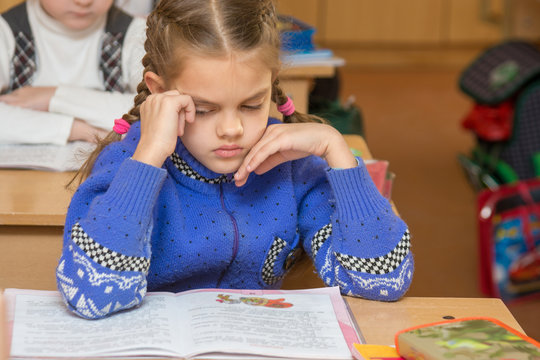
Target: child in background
136,7
67,67
203,190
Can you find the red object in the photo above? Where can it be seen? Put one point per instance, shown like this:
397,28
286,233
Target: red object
491,123
527,268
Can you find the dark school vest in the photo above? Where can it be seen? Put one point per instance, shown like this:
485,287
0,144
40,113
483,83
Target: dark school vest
23,63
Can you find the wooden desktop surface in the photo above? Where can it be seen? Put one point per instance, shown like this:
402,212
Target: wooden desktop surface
379,321
31,197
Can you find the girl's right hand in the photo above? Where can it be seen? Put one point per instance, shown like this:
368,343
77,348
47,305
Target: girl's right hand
163,117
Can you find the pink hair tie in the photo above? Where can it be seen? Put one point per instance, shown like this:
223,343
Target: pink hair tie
287,109
121,126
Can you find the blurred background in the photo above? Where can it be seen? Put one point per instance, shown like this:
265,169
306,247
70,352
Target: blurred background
403,59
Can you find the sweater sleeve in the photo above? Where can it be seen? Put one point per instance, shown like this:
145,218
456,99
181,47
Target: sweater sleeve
82,103
364,248
106,250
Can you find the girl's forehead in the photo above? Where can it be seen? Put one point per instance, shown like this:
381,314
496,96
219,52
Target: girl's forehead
246,66
224,79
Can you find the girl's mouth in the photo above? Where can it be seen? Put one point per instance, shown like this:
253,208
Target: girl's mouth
227,151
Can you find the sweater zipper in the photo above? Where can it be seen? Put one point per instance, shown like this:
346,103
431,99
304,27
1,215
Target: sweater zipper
235,242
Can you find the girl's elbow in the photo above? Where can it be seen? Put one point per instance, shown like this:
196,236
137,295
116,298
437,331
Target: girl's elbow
384,287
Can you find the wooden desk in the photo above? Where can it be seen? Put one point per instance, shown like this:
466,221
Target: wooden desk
379,321
31,197
33,207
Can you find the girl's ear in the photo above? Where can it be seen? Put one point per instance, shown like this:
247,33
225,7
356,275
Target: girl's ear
154,82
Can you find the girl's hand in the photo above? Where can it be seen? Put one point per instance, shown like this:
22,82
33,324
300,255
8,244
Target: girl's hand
30,97
82,131
286,142
163,117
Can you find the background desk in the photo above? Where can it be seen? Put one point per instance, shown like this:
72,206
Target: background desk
33,207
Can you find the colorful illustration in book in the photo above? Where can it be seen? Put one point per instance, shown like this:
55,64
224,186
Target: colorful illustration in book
254,301
227,299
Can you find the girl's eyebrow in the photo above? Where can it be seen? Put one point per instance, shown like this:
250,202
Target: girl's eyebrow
200,101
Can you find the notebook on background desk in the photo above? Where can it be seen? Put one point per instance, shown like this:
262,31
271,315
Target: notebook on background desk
48,157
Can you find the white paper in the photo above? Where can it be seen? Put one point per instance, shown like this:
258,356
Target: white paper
307,329
45,156
43,327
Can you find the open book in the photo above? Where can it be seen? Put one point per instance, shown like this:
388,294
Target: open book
215,323
45,156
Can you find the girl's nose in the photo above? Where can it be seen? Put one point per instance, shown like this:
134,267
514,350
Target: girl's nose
83,2
230,126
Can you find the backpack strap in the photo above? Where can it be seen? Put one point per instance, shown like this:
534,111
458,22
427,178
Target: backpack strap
23,62
111,49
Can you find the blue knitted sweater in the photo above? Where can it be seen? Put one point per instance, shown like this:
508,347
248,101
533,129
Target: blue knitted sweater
132,227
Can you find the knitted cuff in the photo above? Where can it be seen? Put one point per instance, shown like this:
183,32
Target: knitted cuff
356,195
135,187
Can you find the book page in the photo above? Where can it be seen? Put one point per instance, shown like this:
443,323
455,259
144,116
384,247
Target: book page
288,325
43,327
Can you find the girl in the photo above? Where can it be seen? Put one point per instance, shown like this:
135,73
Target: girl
58,59
204,190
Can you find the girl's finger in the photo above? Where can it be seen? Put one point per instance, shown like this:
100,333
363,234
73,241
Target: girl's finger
181,120
262,151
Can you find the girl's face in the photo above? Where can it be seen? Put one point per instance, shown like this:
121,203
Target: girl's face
76,14
232,99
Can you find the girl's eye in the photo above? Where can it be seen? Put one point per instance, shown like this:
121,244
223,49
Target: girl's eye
252,107
202,112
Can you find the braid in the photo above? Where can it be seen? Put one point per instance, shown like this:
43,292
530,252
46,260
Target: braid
280,98
132,116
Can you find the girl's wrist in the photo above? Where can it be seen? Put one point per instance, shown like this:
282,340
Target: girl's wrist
338,155
149,155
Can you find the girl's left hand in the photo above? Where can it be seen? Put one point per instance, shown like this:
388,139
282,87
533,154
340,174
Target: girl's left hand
30,97
286,142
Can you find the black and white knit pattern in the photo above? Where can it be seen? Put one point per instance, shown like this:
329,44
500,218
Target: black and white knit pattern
185,169
111,62
23,62
379,265
107,257
270,262
319,238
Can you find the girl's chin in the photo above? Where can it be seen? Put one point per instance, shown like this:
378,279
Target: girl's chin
224,168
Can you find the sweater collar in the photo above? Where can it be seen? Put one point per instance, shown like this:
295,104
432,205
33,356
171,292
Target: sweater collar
188,165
